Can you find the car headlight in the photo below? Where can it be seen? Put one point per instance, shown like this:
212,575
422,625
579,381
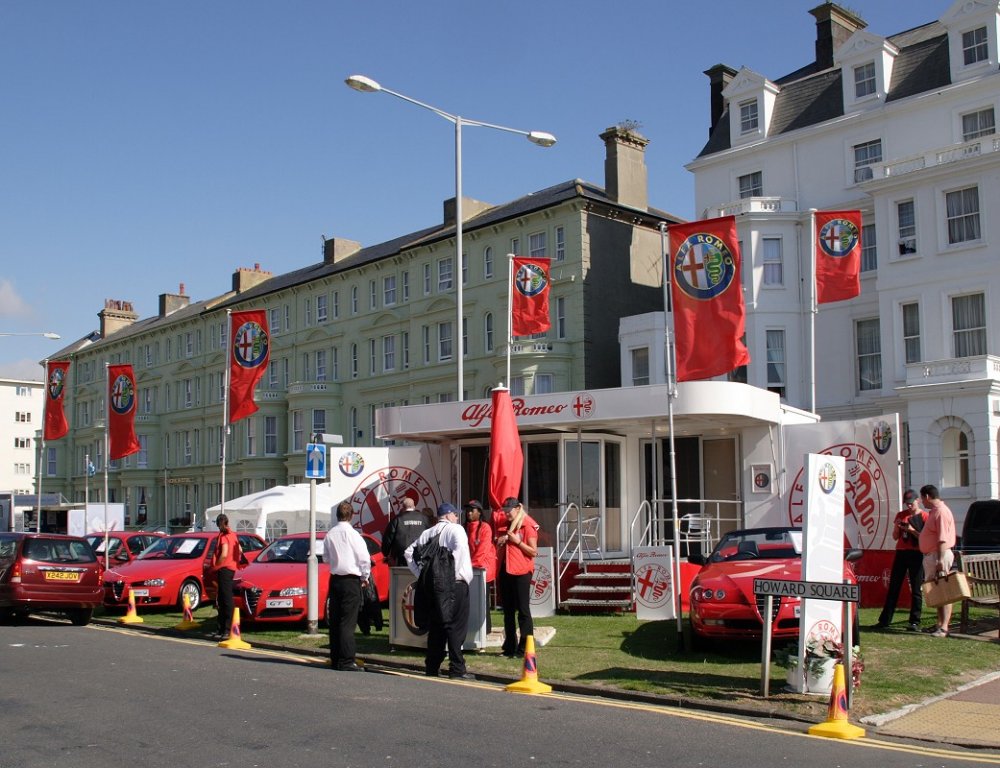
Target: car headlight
292,591
720,594
156,582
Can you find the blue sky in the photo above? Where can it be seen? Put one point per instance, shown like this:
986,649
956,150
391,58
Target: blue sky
148,144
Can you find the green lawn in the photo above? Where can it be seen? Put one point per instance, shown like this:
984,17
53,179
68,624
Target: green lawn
619,652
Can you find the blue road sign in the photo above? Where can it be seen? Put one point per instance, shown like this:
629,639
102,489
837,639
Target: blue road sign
315,461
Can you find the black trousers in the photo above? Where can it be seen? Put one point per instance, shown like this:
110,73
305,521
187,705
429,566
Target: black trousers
449,634
345,601
515,591
908,563
224,599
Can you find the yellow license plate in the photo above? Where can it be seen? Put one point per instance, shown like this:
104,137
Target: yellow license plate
61,576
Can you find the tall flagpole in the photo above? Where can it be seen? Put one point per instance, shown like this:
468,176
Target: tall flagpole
671,394
225,409
510,311
41,451
812,310
107,455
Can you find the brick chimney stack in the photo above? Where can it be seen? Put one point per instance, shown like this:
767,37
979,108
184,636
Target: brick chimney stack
833,26
244,279
719,77
625,178
117,314
171,302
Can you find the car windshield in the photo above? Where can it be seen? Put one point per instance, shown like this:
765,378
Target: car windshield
58,551
762,544
97,544
288,551
175,548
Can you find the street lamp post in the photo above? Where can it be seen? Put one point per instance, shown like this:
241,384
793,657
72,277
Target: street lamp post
46,334
542,139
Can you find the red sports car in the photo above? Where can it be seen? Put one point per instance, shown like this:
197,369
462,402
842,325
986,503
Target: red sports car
273,587
723,603
172,567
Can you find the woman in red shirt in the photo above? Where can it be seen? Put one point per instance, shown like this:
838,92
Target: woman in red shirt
517,544
225,562
481,549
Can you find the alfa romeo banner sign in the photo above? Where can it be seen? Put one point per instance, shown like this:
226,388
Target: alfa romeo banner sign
543,585
653,576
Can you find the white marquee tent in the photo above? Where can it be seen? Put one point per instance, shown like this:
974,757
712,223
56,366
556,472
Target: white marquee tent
278,510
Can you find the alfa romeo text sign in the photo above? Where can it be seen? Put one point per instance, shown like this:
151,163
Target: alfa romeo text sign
814,590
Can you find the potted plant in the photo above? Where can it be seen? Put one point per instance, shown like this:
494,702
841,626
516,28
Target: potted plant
822,655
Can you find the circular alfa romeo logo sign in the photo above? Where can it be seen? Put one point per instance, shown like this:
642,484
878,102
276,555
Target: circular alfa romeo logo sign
704,267
383,491
122,395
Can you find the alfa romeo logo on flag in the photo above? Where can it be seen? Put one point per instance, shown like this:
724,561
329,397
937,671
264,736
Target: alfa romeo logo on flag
827,478
704,266
838,237
57,379
250,349
122,395
530,280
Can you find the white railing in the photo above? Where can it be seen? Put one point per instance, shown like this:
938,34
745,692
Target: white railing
941,156
572,548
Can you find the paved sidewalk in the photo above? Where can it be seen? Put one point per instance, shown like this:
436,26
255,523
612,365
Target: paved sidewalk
967,717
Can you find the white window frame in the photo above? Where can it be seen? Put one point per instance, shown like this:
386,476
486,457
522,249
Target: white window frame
445,341
772,262
446,277
389,291
969,325
750,185
865,83
537,244
975,47
776,345
749,116
910,325
488,262
868,354
965,224
906,226
388,353
978,123
866,154
869,248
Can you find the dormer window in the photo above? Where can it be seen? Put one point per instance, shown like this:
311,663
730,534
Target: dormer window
975,46
748,116
864,80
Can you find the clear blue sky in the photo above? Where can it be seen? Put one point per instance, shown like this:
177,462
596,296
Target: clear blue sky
148,144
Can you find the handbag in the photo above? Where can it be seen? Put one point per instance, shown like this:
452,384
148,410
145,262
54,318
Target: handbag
950,588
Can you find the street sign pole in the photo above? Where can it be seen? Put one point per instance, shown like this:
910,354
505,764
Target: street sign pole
312,568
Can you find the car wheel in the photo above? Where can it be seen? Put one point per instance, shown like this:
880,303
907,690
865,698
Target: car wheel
325,618
80,617
192,589
6,615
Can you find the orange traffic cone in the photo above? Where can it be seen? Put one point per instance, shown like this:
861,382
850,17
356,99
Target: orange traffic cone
836,725
235,639
529,677
188,622
131,617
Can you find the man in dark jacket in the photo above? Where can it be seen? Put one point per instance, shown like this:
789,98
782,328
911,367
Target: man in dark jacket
400,532
449,606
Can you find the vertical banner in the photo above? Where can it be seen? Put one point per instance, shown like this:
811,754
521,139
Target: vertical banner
838,255
530,297
543,585
823,547
56,425
653,575
250,349
121,412
707,298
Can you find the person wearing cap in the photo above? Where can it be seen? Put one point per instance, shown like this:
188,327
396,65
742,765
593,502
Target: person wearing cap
481,548
225,561
350,568
908,562
517,545
449,618
403,530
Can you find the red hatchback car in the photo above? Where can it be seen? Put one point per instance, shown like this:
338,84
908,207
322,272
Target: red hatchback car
273,587
172,567
48,572
723,603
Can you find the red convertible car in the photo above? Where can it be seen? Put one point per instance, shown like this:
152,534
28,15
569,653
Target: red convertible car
723,603
273,587
172,567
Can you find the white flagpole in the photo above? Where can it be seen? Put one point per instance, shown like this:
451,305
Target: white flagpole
107,455
510,311
671,395
812,311
41,451
225,408
86,491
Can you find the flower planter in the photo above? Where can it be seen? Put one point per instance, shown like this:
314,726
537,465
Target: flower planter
819,676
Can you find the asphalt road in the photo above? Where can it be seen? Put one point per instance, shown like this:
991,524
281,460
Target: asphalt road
94,697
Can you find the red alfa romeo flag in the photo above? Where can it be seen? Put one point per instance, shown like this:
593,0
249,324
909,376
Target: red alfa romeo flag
838,255
56,425
121,412
250,347
707,298
506,459
530,296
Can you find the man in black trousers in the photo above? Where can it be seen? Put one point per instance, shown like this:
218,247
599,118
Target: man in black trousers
350,568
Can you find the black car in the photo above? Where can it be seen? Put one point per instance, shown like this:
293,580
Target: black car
981,530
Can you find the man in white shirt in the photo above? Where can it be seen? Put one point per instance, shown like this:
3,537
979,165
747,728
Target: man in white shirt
449,614
350,567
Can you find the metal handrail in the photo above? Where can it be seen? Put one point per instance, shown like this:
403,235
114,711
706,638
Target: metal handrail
561,551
